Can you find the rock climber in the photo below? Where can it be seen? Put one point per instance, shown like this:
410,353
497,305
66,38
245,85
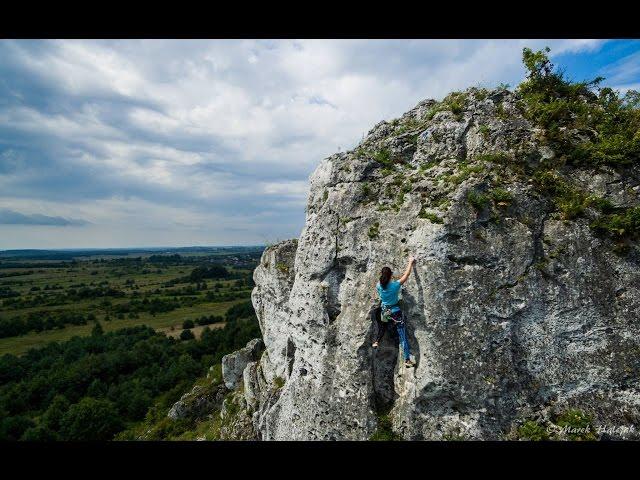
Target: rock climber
389,310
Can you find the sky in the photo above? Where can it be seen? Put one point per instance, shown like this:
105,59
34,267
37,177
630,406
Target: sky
140,143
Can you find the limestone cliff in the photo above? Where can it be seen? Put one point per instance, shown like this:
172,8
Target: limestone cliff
517,311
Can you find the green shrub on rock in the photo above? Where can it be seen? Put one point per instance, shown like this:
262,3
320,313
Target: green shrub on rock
374,231
587,124
531,430
478,200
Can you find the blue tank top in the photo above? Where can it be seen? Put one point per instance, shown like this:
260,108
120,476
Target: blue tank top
390,295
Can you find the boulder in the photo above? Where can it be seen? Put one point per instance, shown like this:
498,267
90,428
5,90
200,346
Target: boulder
233,364
199,402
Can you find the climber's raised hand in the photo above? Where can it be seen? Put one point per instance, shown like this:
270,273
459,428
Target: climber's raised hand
407,271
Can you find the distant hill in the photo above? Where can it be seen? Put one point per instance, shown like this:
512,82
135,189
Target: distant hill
70,254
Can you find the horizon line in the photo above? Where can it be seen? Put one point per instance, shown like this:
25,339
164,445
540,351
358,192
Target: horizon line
68,249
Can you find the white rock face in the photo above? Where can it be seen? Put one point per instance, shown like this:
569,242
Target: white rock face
513,313
233,364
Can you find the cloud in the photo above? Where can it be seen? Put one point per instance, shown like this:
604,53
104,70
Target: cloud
208,141
624,73
11,217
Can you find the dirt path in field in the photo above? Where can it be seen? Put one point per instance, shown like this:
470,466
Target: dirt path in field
197,330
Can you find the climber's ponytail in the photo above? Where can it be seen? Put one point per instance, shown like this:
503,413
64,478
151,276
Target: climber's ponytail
385,276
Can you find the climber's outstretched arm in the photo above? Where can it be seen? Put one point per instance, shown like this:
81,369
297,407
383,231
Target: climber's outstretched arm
407,271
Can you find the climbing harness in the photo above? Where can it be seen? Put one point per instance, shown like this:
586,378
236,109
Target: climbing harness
387,315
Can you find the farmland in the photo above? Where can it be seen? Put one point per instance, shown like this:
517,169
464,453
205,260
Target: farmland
44,300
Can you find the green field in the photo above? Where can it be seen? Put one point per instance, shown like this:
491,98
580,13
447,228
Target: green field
45,288
20,344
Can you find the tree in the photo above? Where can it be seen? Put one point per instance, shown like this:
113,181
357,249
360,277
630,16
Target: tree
97,330
97,388
187,324
213,271
91,419
240,310
12,428
39,433
53,415
187,335
134,401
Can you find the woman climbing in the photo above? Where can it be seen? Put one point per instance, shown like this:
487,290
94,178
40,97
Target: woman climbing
388,291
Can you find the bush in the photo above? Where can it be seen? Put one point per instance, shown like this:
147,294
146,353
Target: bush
569,200
282,268
432,217
456,102
383,156
478,200
494,157
187,324
531,430
366,191
384,430
609,123
620,225
501,195
374,231
577,425
465,171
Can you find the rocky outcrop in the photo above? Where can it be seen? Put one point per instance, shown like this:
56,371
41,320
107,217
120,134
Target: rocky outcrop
515,312
235,416
199,402
234,363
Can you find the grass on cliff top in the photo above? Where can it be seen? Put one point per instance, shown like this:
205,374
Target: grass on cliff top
455,102
586,126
